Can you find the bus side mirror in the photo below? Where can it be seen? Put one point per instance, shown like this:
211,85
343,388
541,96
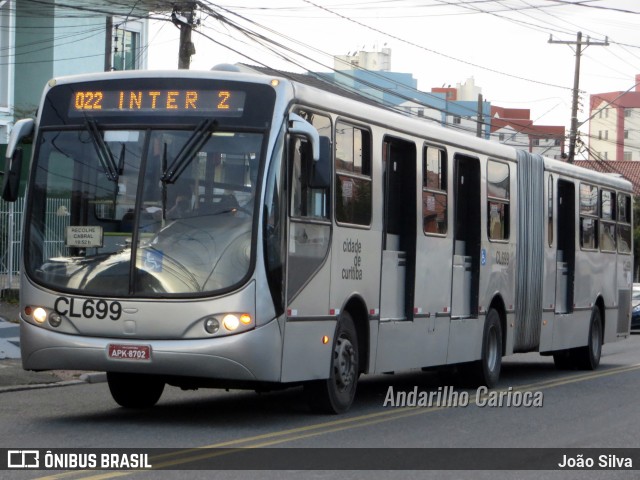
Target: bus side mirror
11,181
13,161
321,169
299,126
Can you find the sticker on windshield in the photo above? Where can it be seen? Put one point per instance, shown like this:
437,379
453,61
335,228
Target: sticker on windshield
84,236
153,261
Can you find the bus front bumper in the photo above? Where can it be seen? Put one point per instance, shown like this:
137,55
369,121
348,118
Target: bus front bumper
253,356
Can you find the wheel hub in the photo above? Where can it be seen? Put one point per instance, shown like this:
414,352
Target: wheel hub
345,363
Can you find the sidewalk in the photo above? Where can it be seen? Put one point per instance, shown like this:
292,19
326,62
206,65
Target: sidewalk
12,376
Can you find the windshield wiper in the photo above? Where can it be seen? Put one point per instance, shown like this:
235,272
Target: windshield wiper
192,146
102,150
164,184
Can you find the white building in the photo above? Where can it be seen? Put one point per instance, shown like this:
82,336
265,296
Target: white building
468,91
614,129
377,61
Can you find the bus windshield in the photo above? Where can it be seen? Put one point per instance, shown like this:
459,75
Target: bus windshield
142,212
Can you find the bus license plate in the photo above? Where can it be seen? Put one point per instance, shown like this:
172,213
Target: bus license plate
130,352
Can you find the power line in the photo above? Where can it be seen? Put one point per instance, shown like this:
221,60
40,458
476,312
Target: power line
261,39
598,7
433,51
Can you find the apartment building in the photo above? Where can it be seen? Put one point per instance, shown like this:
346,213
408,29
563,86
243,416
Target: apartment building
614,128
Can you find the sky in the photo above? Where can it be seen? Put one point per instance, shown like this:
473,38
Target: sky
503,44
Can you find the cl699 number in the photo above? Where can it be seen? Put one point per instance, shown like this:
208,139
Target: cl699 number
76,308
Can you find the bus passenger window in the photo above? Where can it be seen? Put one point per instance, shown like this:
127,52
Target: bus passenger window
588,239
434,190
607,223
588,217
624,223
310,201
498,189
353,175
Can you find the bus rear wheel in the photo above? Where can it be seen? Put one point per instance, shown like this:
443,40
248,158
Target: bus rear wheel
486,371
587,357
336,394
131,390
491,361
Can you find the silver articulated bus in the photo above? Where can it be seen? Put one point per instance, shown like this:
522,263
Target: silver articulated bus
236,230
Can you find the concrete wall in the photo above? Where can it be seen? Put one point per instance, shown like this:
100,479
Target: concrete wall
80,49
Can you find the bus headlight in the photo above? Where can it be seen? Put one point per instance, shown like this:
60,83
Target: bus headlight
221,324
233,322
40,315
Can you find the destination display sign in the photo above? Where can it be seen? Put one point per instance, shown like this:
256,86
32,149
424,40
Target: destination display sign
229,103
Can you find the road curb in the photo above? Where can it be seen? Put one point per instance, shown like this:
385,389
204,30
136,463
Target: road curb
36,386
98,377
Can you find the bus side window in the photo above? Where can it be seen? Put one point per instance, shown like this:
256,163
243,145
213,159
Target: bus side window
624,223
498,193
309,230
607,222
308,200
299,151
434,190
353,175
588,216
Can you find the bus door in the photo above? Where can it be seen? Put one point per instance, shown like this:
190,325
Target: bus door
566,254
466,255
399,231
309,229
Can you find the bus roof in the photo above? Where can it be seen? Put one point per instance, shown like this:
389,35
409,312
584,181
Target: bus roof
321,94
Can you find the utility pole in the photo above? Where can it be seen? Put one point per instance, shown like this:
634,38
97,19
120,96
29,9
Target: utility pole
573,133
183,17
108,44
480,125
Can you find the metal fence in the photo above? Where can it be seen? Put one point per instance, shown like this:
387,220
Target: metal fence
11,214
11,225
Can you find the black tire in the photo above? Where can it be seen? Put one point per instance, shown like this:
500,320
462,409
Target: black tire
491,361
564,360
131,390
588,358
335,394
486,371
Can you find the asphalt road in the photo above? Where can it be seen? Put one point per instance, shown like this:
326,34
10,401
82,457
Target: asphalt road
579,410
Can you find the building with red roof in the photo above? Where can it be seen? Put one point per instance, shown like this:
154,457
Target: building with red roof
513,126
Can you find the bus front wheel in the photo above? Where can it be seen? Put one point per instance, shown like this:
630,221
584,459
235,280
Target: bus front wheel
336,394
131,390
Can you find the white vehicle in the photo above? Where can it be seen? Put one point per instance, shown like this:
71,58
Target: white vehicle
226,229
